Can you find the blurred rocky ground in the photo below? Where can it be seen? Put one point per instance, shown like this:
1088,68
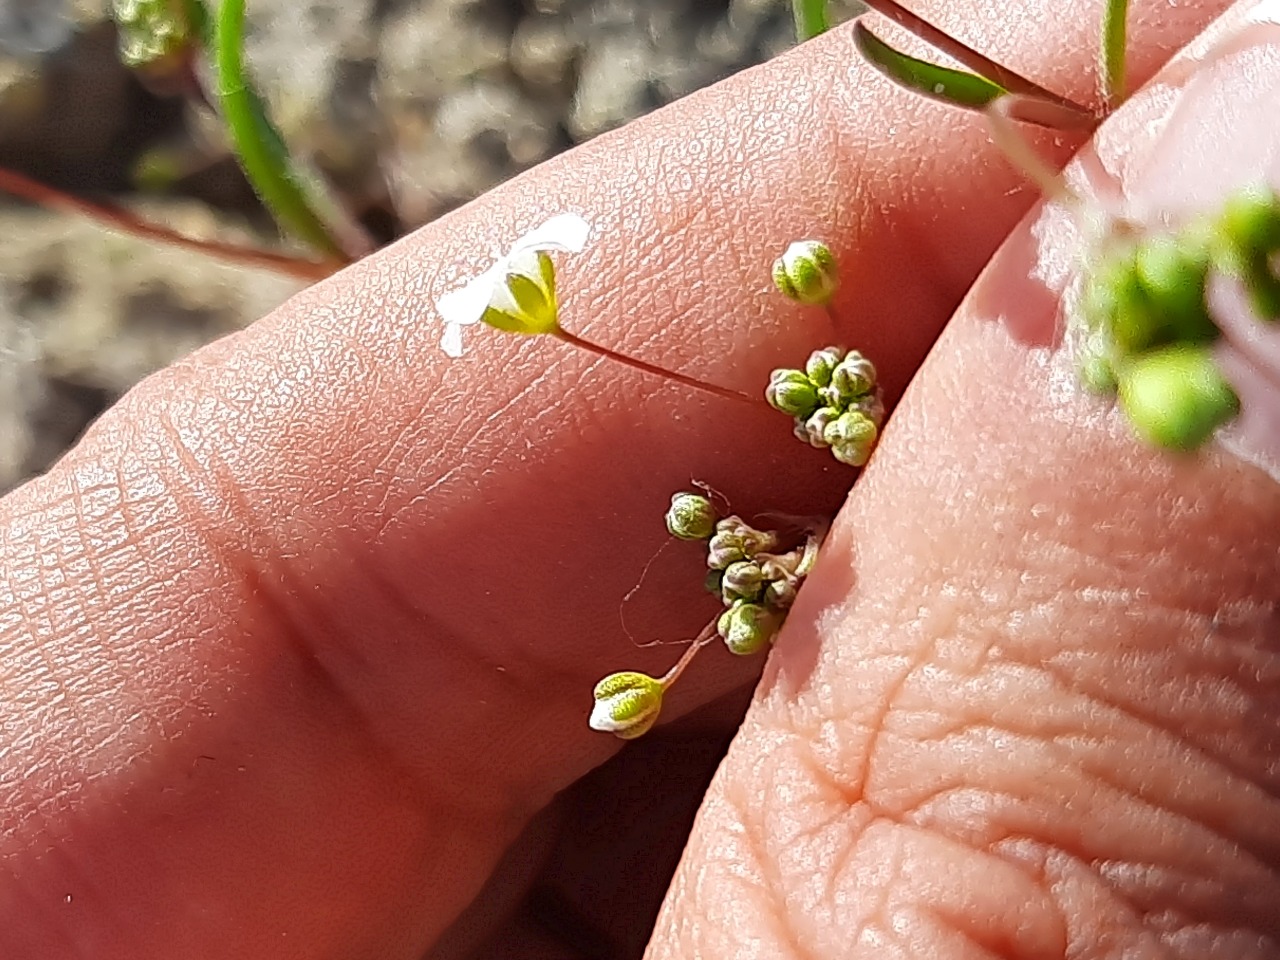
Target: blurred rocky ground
411,107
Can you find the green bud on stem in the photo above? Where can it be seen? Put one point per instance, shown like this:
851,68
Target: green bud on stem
821,364
806,272
743,580
1176,396
791,392
853,377
627,704
691,516
851,436
747,628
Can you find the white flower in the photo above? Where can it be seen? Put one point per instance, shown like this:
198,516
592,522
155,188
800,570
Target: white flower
518,293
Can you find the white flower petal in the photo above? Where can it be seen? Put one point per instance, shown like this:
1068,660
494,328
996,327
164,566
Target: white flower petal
565,231
602,719
451,342
467,304
503,301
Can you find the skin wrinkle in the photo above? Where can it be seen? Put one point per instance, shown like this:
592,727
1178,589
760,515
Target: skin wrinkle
1132,708
1147,887
1099,771
996,822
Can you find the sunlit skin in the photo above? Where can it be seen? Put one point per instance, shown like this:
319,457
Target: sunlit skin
302,635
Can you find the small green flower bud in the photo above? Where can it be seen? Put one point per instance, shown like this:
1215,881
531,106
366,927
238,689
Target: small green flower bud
1173,272
691,517
1099,299
779,595
1135,325
806,272
821,363
747,628
791,392
1250,220
742,580
870,406
855,376
811,430
735,540
851,437
1246,237
1114,304
1176,397
723,551
627,704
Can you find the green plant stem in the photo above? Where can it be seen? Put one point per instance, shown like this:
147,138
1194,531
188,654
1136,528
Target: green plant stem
1001,115
258,145
962,53
811,18
1111,68
725,392
956,87
118,218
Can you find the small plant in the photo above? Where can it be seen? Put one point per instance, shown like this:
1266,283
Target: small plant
1142,327
755,579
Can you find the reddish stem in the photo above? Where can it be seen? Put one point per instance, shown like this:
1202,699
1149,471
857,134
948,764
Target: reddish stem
109,215
725,392
706,636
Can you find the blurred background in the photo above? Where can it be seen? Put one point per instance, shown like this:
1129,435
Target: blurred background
409,107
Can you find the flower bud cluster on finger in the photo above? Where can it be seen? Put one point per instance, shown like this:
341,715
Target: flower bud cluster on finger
756,585
835,402
1147,332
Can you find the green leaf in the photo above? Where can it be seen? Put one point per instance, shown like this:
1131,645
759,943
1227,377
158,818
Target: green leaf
285,189
1112,64
955,87
811,18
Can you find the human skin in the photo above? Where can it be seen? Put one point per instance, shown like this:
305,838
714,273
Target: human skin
300,636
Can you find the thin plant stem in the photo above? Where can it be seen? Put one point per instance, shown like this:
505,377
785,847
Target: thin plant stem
1111,66
725,392
962,53
261,151
114,217
706,636
811,18
1010,140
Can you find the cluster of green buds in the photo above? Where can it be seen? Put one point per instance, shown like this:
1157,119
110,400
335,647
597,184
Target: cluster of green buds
835,401
1147,330
154,35
757,585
